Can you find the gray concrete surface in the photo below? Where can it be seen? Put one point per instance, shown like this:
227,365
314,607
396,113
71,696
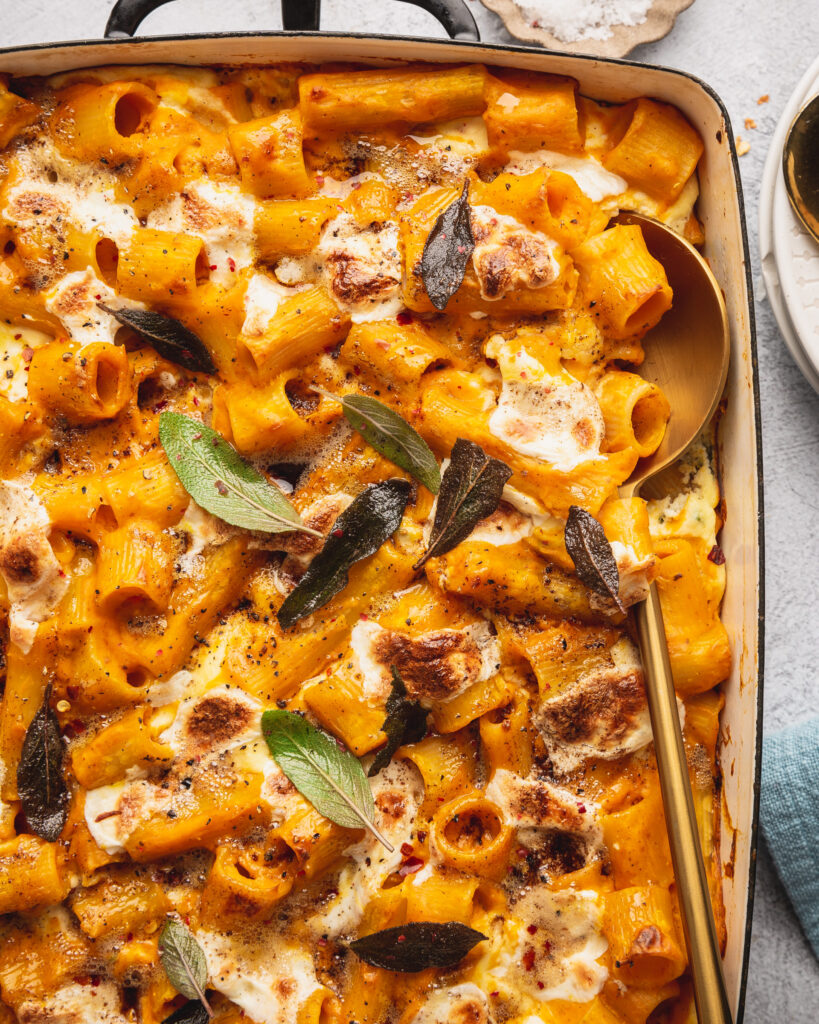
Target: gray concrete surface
744,49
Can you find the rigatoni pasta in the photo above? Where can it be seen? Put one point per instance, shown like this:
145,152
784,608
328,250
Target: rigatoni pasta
341,279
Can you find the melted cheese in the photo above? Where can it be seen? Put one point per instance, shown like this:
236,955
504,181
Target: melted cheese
460,1004
555,418
76,1004
35,583
458,658
222,216
552,945
13,359
360,266
603,715
508,256
262,299
534,803
217,730
398,791
590,175
74,300
264,974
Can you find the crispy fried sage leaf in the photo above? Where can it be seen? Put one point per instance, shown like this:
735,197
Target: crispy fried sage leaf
359,531
410,948
591,553
184,961
321,769
171,339
406,722
447,251
221,481
392,436
40,780
192,1012
471,490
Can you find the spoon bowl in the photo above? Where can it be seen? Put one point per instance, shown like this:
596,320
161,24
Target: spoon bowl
800,166
687,356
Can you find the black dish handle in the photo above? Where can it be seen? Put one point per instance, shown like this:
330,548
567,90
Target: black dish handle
297,16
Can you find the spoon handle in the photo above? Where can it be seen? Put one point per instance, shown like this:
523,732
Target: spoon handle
686,852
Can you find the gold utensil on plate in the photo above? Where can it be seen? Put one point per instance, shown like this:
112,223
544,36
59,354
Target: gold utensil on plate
800,165
687,356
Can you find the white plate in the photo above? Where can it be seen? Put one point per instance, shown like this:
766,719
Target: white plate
790,256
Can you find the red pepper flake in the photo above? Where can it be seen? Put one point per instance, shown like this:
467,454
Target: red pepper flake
494,995
522,851
402,938
322,942
422,837
716,555
532,928
98,297
28,352
319,180
231,264
196,437
410,866
461,248
540,985
220,487
529,959
338,533
212,266
363,616
407,849
17,337
581,808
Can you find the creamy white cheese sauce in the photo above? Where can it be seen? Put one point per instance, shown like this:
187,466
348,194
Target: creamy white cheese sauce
75,301
544,416
222,216
552,944
264,974
35,583
588,173
460,1004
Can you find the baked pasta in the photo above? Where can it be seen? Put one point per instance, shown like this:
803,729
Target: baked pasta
311,714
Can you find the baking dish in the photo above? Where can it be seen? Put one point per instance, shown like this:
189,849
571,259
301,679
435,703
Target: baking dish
720,209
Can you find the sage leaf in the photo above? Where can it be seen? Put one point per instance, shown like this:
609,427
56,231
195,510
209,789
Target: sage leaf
410,948
392,437
359,531
321,769
184,961
447,251
221,481
192,1012
40,780
591,553
406,722
171,339
471,490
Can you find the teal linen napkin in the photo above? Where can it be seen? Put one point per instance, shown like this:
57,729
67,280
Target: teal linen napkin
789,816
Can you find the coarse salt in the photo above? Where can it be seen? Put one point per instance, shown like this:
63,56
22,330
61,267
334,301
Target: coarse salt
573,21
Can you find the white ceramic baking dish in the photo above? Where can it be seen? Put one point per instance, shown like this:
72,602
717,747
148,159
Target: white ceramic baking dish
720,209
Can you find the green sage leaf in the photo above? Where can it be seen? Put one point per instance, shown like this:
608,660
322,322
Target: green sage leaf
447,251
321,769
393,437
359,531
410,948
471,490
591,553
184,961
406,722
171,339
40,780
221,481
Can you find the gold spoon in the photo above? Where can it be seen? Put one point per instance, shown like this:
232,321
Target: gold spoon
800,165
687,356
